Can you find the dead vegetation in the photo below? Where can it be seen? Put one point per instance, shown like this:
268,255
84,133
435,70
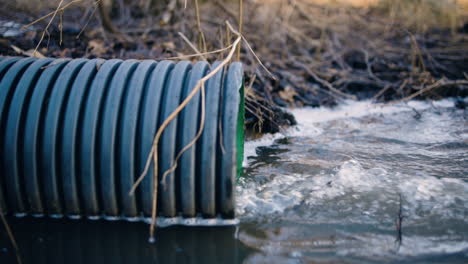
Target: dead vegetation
319,52
389,51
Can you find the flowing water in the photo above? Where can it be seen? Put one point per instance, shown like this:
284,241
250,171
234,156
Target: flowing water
356,184
360,183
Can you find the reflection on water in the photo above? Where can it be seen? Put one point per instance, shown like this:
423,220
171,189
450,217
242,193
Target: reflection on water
331,190
82,242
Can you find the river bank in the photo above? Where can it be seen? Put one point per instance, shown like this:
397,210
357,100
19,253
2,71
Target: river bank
318,54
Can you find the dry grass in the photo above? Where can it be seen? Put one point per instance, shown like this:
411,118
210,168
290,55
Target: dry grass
309,43
423,15
37,6
418,14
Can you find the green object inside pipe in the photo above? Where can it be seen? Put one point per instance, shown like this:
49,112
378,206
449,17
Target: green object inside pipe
240,131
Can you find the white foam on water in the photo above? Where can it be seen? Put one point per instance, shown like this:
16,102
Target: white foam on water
356,165
356,195
352,192
308,118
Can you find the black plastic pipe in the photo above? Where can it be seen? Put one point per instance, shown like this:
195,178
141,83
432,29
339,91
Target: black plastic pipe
75,136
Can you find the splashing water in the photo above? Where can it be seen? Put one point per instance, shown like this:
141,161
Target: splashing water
341,184
355,184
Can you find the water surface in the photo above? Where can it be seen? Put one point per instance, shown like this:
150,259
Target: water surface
338,187
356,184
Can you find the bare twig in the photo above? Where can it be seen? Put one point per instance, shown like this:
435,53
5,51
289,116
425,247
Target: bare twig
153,156
12,238
251,50
89,18
325,83
47,27
202,41
61,27
437,85
241,12
193,141
381,92
50,14
28,53
198,53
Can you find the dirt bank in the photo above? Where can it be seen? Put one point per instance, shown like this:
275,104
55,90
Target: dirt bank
318,54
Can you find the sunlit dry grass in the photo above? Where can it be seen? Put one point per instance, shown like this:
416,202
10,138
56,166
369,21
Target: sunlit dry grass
418,15
370,3
422,15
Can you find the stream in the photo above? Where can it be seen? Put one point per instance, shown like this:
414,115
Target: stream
337,186
360,183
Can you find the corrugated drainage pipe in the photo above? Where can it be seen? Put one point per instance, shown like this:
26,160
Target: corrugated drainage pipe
75,135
